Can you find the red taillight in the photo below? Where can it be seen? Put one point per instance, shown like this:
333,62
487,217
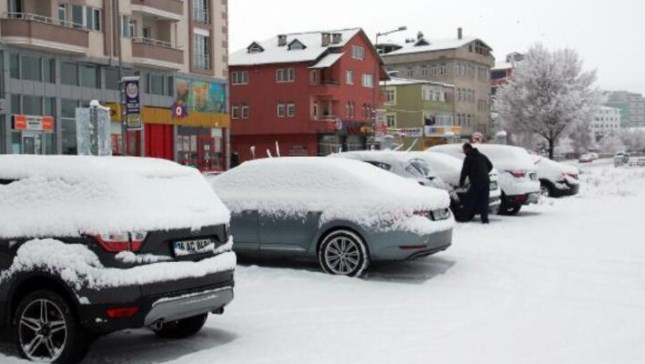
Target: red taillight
518,174
117,243
520,199
572,175
121,312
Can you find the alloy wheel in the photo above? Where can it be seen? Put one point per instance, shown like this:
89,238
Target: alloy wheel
42,331
342,256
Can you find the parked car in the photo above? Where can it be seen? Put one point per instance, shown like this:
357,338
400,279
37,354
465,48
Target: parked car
556,179
518,178
641,162
90,246
586,158
623,156
594,156
343,213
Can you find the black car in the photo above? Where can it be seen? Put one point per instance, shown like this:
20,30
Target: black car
61,290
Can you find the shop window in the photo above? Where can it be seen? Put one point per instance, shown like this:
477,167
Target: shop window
68,108
49,70
16,105
112,79
68,127
16,143
155,84
3,148
32,105
69,73
14,65
50,106
90,76
170,89
30,68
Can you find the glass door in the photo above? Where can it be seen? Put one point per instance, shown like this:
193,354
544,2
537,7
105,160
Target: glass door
33,143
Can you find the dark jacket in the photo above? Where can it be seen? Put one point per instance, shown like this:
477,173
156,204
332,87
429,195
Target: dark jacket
476,167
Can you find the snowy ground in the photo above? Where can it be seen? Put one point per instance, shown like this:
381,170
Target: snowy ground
563,282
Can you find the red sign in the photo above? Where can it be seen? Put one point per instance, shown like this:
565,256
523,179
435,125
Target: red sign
29,122
48,123
19,122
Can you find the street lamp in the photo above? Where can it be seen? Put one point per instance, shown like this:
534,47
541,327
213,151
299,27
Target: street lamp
377,85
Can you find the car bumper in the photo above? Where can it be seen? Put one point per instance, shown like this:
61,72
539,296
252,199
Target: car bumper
566,189
400,245
159,302
524,199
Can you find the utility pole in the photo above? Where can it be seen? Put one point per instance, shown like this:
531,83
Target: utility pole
116,40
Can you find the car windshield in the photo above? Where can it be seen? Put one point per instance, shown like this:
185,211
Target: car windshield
419,168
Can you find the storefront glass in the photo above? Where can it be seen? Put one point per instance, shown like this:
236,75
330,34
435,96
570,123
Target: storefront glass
328,144
200,148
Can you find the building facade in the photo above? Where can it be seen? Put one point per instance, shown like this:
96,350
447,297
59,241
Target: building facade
56,56
308,93
421,113
606,121
632,106
464,62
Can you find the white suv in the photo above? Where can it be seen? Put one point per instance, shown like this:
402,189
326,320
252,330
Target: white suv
518,177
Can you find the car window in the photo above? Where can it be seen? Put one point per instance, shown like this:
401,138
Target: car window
381,165
419,166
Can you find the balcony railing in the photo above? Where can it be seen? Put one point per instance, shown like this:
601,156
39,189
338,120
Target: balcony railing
166,9
154,42
35,30
43,19
159,53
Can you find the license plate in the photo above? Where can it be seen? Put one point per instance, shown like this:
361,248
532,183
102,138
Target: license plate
534,198
493,186
533,177
193,247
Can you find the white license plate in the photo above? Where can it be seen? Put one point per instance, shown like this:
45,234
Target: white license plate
193,247
533,177
493,186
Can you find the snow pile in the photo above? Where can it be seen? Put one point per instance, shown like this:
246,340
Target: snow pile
609,181
339,188
503,157
81,268
68,195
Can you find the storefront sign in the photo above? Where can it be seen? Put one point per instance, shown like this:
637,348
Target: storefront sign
29,122
132,102
412,132
199,97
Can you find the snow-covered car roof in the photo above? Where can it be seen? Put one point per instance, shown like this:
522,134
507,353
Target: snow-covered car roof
342,189
60,196
445,166
401,161
503,157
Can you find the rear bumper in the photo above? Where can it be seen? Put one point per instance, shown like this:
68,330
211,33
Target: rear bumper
525,199
165,301
402,245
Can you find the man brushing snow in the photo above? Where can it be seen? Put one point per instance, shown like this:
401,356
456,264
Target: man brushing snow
476,167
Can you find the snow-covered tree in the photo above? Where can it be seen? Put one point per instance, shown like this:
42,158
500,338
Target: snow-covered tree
548,94
634,139
611,144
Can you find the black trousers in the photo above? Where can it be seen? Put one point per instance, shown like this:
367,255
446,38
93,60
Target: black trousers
477,201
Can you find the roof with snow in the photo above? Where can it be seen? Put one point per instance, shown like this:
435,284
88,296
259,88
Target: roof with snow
431,45
270,52
397,81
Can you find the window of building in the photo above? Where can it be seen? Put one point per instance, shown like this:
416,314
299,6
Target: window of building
391,120
281,111
424,71
32,105
390,96
201,11
410,72
444,69
49,107
14,65
49,70
128,27
112,79
291,110
30,68
245,111
16,105
349,77
201,52
240,78
155,83
358,52
285,75
62,14
69,73
368,80
235,112
90,76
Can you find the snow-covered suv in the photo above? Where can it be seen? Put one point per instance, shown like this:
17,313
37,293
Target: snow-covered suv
89,246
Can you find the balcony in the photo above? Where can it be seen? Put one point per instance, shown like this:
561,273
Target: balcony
156,53
40,32
325,88
172,10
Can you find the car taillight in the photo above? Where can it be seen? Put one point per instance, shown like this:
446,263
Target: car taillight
518,174
121,312
441,214
572,175
121,242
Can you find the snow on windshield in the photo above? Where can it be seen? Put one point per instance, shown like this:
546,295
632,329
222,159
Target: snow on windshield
339,188
67,195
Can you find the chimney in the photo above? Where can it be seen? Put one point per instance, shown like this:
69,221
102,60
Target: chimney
326,39
460,33
282,40
337,38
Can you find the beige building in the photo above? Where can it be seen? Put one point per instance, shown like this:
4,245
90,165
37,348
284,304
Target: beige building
57,55
464,62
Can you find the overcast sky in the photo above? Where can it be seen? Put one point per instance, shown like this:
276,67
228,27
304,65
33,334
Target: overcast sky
610,35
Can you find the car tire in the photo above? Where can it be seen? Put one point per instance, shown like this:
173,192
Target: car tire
343,252
46,329
508,208
181,329
546,190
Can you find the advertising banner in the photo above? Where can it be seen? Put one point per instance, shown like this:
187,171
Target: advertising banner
132,94
198,96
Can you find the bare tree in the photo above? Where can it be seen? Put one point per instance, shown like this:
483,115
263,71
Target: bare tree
548,94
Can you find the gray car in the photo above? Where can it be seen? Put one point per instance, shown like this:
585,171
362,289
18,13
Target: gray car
342,213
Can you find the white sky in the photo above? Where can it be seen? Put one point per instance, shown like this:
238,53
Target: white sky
609,35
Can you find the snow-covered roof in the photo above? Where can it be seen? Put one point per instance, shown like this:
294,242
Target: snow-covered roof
61,196
503,66
435,45
328,60
341,189
273,53
397,81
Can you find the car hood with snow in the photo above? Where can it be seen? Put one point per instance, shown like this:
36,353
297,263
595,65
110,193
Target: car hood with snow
341,189
66,196
555,171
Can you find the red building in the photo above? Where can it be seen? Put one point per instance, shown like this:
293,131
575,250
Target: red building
304,93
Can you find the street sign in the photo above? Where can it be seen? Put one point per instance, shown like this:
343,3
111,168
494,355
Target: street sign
30,122
132,95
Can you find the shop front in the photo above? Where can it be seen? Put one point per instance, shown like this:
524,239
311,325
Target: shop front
352,135
32,134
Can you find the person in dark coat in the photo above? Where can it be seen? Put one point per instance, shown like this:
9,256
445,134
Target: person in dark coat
476,168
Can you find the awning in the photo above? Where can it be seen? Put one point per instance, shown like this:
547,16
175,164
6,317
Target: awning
327,61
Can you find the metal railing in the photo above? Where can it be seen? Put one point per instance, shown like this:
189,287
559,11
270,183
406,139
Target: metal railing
153,42
44,19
